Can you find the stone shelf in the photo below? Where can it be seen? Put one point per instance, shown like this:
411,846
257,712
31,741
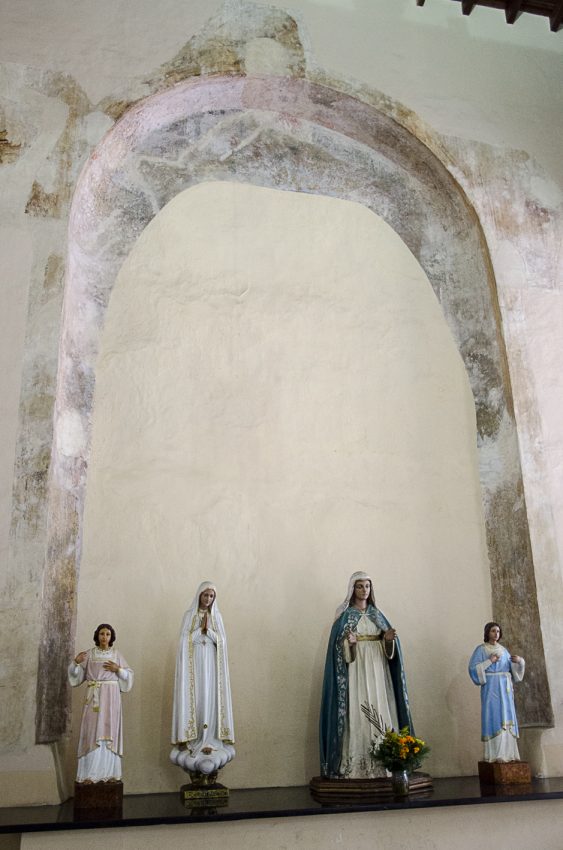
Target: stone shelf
155,809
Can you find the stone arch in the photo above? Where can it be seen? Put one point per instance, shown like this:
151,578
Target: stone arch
292,135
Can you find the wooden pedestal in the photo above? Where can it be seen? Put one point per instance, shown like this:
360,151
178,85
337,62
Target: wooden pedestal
505,773
205,796
98,799
356,790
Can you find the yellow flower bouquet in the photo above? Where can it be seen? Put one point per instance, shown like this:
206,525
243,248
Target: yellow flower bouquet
399,750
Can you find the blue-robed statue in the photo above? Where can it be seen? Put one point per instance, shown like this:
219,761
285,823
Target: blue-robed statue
493,668
364,666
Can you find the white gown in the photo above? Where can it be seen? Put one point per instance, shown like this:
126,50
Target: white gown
202,722
369,680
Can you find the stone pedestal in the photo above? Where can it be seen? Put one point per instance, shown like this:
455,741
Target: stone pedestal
505,773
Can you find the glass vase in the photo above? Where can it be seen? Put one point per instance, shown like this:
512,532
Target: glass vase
400,782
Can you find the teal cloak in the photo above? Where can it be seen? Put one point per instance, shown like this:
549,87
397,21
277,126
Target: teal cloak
334,704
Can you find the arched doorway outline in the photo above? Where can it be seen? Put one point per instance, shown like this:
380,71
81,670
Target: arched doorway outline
297,136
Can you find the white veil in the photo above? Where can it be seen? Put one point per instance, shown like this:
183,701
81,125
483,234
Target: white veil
183,713
358,576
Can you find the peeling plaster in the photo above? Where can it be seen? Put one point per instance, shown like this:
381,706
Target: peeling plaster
9,151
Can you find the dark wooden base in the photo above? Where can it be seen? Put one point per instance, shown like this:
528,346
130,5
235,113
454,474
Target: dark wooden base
504,773
98,799
204,796
356,790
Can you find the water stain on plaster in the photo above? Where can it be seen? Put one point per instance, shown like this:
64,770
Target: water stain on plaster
115,109
40,404
539,213
217,56
9,151
54,275
42,203
522,208
516,607
33,457
220,49
484,373
53,691
29,496
69,149
38,400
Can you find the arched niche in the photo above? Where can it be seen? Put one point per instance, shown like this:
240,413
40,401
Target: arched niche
278,396
294,135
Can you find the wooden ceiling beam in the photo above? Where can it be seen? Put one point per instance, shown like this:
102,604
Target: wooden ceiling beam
551,9
556,17
513,10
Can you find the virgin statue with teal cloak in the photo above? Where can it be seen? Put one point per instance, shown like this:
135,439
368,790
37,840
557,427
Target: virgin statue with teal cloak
364,666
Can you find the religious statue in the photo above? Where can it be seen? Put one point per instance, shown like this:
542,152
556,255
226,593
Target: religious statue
494,669
107,675
202,719
364,667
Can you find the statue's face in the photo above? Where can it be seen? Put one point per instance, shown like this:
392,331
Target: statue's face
104,637
362,588
206,598
494,634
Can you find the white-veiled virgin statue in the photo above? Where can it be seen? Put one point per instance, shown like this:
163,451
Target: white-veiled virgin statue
364,665
202,718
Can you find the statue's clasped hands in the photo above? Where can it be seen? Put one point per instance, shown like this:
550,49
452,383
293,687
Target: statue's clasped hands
108,665
389,635
514,658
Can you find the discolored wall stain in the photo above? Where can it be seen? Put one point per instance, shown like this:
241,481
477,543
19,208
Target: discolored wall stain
115,109
484,371
9,151
34,459
38,381
220,49
53,693
540,214
68,151
515,601
42,203
30,489
54,275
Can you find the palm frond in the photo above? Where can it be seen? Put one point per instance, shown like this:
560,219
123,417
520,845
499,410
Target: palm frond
374,718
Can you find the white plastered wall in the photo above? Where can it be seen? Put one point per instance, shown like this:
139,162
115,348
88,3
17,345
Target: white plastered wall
511,825
279,402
